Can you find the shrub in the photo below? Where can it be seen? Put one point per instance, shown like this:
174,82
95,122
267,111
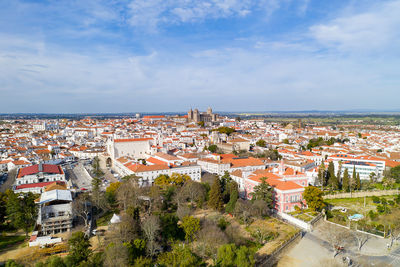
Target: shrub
376,200
380,208
372,215
297,208
222,223
391,202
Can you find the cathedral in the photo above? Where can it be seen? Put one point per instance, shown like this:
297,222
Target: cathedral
196,116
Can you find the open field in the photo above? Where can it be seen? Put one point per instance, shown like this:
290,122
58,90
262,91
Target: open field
361,205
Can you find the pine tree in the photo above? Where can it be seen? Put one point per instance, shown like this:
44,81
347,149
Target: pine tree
339,175
215,197
321,174
333,182
354,178
358,182
233,197
346,181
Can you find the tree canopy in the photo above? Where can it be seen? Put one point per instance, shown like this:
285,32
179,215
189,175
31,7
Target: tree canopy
313,196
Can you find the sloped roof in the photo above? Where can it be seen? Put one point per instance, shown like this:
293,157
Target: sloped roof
46,168
55,195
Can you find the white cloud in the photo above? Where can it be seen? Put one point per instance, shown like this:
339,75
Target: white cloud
374,29
152,13
54,80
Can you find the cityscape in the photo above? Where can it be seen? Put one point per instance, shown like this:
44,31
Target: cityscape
220,133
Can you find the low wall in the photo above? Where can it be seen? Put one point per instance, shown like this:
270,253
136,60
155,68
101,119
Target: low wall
299,223
363,194
271,260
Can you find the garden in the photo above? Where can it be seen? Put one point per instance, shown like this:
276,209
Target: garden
380,215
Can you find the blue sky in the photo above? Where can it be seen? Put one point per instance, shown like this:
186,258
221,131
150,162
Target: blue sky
164,55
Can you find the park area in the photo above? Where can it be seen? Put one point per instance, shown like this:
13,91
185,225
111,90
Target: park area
377,215
305,215
262,235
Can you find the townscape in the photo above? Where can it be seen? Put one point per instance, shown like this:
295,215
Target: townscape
200,189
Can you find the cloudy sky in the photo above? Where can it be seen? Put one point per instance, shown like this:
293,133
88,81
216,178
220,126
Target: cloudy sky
169,55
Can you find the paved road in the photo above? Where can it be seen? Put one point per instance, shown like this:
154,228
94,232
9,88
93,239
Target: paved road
80,177
392,259
8,181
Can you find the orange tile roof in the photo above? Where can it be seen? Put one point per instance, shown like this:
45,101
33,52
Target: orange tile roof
132,140
147,168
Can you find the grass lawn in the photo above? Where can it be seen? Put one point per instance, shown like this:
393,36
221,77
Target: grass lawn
10,241
304,215
379,222
357,204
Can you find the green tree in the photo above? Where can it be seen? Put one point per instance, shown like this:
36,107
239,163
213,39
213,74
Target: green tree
226,130
263,191
339,175
346,180
353,182
321,175
230,256
190,226
332,180
226,255
212,148
285,141
13,263
179,179
111,192
233,197
79,247
169,227
358,182
162,180
3,207
143,262
245,257
225,182
53,261
313,197
215,196
21,210
180,256
395,173
261,143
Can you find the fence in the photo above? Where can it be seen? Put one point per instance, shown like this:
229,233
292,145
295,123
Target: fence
356,194
271,259
376,233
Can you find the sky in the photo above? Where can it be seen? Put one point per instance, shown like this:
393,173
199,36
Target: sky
167,56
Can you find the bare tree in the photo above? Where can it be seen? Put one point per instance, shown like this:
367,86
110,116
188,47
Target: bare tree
360,238
82,208
182,211
243,210
336,236
209,238
151,227
392,221
127,194
260,208
193,191
115,255
126,231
